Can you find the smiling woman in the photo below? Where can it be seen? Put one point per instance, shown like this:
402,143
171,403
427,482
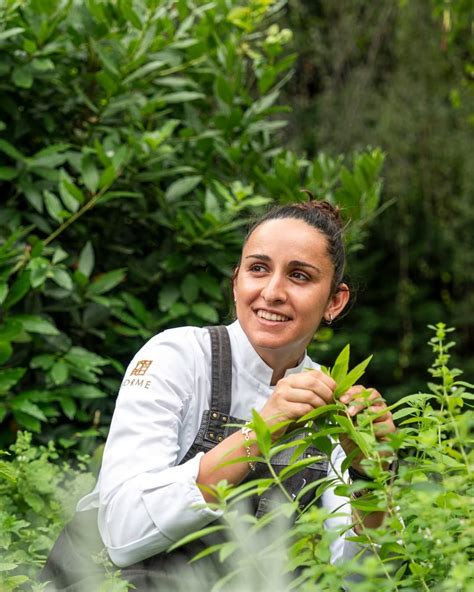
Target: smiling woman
171,433
283,288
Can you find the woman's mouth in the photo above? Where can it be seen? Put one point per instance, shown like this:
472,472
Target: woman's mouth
272,316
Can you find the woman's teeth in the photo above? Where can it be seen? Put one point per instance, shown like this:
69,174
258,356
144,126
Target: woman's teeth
271,316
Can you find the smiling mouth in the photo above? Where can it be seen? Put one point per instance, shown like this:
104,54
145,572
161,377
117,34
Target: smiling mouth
271,316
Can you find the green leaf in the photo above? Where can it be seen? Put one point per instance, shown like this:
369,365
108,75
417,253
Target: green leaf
68,406
53,205
18,290
168,296
6,351
190,288
156,138
10,377
28,408
128,13
205,312
352,377
182,97
107,177
87,391
62,279
36,324
8,173
30,423
44,361
11,151
144,71
262,433
86,259
355,436
224,90
209,285
71,196
11,33
59,372
106,282
182,187
22,77
42,64
90,174
341,365
7,472
196,535
3,292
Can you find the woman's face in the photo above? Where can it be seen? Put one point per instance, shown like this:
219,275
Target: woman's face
282,289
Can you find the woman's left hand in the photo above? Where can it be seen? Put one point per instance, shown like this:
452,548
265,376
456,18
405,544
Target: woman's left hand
357,399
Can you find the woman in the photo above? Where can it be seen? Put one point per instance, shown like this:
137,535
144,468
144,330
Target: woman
153,481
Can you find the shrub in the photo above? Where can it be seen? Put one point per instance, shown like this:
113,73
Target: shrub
136,138
426,540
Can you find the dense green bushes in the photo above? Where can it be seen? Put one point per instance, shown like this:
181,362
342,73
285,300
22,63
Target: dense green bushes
424,544
136,140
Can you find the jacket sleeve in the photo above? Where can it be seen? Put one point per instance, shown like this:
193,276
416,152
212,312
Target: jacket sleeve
146,500
341,548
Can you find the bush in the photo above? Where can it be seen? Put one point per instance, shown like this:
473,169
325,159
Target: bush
136,139
424,543
426,540
37,495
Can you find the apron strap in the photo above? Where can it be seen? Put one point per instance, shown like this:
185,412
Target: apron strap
221,386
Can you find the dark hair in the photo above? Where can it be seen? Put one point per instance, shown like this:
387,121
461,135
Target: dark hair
322,216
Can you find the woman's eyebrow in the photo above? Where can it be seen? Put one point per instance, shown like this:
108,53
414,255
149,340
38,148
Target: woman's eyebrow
259,257
294,263
297,263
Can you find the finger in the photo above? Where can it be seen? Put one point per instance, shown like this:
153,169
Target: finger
380,413
383,428
318,376
322,385
306,396
352,392
362,400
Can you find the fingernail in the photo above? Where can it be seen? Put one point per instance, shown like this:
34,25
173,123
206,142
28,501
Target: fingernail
352,411
344,398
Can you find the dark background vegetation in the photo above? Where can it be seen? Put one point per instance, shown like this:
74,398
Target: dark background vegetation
138,139
397,75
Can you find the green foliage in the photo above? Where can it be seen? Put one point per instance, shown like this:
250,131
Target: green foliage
426,539
136,139
37,495
396,75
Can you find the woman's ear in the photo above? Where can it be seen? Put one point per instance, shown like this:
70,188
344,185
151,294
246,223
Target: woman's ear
337,302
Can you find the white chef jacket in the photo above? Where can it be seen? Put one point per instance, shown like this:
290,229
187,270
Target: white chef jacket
146,501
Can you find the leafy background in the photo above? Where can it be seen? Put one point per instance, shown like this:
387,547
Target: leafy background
137,139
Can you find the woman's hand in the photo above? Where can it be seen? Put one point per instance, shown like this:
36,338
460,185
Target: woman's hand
358,398
296,395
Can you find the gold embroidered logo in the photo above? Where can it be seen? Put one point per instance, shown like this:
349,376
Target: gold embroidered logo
141,368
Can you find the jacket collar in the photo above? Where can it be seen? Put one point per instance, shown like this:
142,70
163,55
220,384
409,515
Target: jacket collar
249,361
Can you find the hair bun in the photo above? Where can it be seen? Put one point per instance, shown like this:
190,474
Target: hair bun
324,207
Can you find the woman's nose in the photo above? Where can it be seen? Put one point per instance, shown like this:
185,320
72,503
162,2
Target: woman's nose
274,289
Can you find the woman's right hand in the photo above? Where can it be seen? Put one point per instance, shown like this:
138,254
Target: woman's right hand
296,395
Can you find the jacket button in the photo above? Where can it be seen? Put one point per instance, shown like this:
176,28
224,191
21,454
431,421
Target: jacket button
211,435
219,438
214,415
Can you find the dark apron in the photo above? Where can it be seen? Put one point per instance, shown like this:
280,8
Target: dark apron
69,566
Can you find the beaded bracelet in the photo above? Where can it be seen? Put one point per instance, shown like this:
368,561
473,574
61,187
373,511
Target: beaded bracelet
246,432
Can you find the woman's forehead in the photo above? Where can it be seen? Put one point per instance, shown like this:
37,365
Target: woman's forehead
287,234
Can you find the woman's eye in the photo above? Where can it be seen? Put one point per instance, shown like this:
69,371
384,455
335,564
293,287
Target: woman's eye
298,275
257,268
